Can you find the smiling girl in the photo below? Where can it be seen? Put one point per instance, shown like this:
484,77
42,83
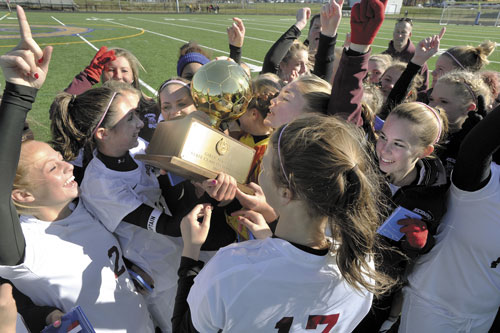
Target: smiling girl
59,254
418,183
464,96
118,188
307,94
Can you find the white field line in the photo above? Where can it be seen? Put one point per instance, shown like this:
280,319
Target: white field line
1,18
181,40
142,83
186,26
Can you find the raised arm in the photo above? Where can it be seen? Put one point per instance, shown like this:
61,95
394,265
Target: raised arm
92,73
330,19
236,37
367,17
279,49
24,69
423,52
472,170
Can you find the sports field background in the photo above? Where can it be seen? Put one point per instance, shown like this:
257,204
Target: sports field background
155,40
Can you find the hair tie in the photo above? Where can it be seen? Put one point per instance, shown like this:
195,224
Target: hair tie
184,84
189,58
104,114
455,59
469,88
279,154
352,186
435,113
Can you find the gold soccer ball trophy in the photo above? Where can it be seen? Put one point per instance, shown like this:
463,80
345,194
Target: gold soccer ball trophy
221,89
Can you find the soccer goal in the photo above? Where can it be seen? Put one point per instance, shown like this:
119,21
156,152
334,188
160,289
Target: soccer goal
469,13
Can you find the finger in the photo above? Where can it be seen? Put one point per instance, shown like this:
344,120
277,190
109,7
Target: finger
25,31
363,10
255,187
24,26
239,23
196,211
47,55
405,221
221,193
441,33
308,13
5,290
206,217
239,212
246,223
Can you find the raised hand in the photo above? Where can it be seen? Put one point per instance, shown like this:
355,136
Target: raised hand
330,17
102,57
367,17
427,47
26,64
195,233
302,16
236,32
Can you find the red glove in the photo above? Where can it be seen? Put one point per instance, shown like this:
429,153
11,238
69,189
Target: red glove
416,232
367,17
94,70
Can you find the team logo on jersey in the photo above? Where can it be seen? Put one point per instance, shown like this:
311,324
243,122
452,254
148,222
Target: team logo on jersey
151,117
425,214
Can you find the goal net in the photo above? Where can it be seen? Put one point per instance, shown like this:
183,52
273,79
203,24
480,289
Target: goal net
471,13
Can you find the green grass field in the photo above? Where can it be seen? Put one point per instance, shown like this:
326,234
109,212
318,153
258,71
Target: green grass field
155,40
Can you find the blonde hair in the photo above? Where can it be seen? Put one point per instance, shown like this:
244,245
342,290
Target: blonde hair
297,46
264,88
416,83
431,122
471,58
328,167
467,86
315,91
383,60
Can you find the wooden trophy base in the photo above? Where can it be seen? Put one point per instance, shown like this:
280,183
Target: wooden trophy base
193,150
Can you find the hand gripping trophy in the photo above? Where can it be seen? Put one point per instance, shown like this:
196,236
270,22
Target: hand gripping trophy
190,148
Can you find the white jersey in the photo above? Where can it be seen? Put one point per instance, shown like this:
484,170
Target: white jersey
462,272
76,261
111,195
265,285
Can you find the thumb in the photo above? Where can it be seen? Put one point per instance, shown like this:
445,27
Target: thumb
47,55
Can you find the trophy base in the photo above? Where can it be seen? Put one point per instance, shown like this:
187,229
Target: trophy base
184,169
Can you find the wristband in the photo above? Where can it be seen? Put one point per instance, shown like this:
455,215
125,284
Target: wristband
153,219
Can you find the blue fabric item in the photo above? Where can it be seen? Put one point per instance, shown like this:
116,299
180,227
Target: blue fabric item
189,58
379,123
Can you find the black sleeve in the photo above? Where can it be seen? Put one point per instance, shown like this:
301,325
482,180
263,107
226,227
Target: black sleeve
400,89
34,316
325,56
235,53
279,50
166,225
16,102
472,170
181,319
180,204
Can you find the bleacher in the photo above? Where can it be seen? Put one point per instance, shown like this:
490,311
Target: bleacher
41,4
